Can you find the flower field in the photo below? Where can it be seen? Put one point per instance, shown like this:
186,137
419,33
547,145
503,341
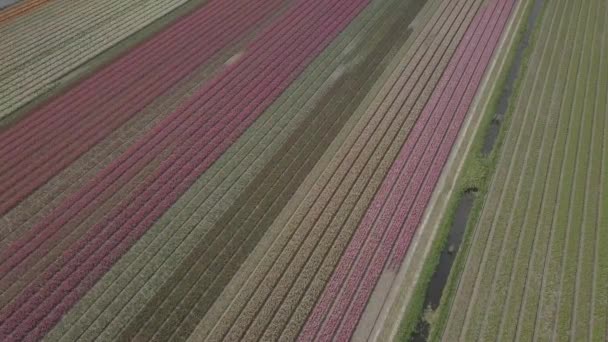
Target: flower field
224,169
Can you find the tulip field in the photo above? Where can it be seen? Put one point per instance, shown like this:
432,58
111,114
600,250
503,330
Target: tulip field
192,170
537,268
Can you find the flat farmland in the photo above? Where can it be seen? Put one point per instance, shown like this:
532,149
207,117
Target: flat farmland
537,264
57,37
224,169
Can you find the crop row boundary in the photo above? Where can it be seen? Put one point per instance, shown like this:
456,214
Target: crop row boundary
407,293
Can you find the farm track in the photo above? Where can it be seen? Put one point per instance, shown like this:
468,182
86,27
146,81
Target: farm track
43,51
13,315
366,256
534,270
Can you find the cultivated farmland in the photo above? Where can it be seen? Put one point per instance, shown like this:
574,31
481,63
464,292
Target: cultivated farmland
43,51
537,264
225,169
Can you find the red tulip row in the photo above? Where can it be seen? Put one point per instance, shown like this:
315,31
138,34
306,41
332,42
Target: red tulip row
202,130
396,211
52,137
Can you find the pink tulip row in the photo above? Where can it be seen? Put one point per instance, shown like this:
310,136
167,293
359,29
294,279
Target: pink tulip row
204,128
52,137
396,211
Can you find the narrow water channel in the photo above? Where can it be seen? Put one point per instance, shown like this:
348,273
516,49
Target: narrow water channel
446,259
507,91
457,230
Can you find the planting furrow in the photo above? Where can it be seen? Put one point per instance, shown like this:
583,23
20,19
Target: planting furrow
581,325
196,209
110,109
192,63
359,277
289,303
71,178
155,145
549,296
27,130
77,230
547,306
313,325
178,158
590,99
251,310
256,208
34,28
354,321
111,181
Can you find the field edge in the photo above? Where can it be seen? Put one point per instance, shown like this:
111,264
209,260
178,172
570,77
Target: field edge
407,294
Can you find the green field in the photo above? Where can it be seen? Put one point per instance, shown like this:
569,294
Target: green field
536,268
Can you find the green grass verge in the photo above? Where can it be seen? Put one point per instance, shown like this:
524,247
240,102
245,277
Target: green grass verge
476,174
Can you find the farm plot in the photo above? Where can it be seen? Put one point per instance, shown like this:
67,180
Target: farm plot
537,267
383,237
230,103
175,235
250,172
49,139
274,292
29,212
38,49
